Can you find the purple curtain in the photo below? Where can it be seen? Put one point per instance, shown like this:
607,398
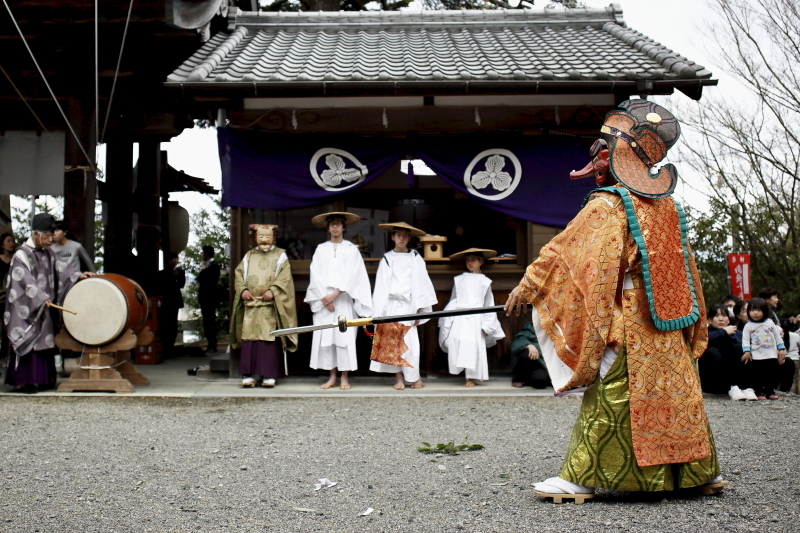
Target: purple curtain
279,171
523,176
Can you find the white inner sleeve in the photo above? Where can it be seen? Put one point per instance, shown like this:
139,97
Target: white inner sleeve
559,372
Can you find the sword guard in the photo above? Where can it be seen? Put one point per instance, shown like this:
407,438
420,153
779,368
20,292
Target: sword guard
342,323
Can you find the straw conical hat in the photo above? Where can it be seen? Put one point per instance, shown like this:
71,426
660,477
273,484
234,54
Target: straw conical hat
391,226
480,252
321,221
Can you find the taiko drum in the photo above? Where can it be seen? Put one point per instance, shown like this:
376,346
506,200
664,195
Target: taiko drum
107,305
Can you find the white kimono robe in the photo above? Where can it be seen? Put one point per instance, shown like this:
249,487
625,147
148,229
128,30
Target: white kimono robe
462,337
337,266
402,286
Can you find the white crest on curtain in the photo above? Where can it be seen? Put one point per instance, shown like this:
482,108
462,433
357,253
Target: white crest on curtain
496,175
337,177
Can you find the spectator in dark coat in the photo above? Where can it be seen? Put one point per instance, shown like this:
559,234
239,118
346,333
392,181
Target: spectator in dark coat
529,366
208,295
172,279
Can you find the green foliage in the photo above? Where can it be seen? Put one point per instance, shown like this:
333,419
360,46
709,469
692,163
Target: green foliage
21,213
207,228
747,148
450,448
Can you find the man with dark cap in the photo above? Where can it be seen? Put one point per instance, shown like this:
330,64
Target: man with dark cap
37,278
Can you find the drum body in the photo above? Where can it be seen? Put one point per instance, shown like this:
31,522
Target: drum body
107,305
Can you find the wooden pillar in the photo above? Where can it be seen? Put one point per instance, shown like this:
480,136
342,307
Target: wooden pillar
75,205
148,206
80,186
118,195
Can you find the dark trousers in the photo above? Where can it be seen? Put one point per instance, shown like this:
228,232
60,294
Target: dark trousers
209,313
168,329
786,375
531,373
765,376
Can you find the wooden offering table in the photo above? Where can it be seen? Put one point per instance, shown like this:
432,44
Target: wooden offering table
104,368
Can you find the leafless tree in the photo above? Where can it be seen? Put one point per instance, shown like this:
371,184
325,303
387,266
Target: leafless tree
748,149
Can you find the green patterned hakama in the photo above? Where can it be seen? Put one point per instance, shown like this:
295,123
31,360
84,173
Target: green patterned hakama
600,452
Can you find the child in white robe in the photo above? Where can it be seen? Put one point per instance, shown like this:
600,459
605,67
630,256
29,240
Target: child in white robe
338,285
402,286
466,338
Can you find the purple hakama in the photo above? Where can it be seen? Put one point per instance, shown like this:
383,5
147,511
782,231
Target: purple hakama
35,368
262,358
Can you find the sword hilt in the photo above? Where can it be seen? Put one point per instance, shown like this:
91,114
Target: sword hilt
344,323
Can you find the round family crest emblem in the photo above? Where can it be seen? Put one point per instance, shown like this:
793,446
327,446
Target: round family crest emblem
498,174
336,171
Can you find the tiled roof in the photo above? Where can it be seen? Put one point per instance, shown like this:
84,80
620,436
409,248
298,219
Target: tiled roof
433,46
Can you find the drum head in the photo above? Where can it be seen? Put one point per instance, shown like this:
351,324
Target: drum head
101,308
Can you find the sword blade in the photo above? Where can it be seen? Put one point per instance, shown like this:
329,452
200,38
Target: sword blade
301,329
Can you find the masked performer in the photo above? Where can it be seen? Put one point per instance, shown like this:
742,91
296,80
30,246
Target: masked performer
264,301
402,286
618,310
36,279
338,285
465,338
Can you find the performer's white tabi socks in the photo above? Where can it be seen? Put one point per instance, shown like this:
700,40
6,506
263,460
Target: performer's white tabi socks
557,485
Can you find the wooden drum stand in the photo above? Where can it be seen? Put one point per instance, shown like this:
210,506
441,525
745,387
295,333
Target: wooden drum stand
108,368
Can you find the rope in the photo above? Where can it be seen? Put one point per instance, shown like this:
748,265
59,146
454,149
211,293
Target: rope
94,367
116,72
52,94
96,73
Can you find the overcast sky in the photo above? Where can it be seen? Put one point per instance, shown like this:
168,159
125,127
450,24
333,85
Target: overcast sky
677,24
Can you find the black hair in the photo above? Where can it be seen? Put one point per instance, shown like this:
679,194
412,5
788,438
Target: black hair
332,218
60,224
208,250
767,293
3,238
714,310
730,297
759,303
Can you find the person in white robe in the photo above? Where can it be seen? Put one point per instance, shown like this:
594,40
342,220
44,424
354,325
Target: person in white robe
466,338
338,285
402,286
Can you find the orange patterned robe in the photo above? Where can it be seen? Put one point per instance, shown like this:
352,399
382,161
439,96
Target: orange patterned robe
578,286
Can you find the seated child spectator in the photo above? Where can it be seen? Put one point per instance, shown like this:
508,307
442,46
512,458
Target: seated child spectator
763,348
465,338
529,366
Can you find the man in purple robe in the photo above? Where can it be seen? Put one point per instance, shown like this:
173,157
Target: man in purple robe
36,278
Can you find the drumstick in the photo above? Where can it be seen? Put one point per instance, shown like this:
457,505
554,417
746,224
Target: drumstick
61,308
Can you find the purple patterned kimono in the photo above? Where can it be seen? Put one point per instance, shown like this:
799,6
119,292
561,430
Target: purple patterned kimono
34,277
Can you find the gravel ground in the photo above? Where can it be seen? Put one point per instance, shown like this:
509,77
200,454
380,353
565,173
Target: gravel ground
153,464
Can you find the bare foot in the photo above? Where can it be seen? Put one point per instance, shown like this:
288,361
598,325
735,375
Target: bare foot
517,384
399,386
417,384
469,383
345,385
328,384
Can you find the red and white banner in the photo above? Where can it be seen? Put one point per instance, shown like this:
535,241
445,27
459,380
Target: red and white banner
739,275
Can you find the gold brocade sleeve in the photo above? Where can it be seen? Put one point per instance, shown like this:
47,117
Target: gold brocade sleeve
574,283
696,335
237,310
282,289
